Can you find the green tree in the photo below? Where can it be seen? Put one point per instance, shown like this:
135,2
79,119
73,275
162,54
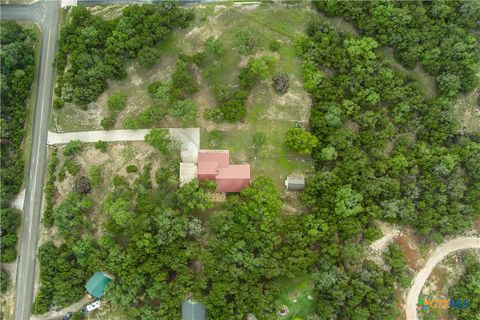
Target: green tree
190,197
300,140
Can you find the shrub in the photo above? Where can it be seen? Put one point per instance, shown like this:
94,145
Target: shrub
148,56
260,67
101,145
301,141
159,139
131,168
117,101
95,173
72,167
280,83
213,114
58,103
185,111
9,223
235,108
244,42
275,45
72,148
4,281
214,47
108,122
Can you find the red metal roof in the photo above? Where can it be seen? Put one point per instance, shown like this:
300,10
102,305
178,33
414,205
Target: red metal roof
215,165
220,156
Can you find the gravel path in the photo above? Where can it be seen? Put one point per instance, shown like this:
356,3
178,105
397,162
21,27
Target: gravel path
441,252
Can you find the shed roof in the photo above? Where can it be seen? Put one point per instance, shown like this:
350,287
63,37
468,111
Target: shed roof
193,310
96,285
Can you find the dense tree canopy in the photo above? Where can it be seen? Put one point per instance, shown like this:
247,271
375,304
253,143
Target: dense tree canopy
17,58
92,50
438,34
466,292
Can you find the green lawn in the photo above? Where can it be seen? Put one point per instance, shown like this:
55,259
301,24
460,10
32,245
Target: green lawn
295,296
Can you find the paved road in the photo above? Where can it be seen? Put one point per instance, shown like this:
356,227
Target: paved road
441,252
46,14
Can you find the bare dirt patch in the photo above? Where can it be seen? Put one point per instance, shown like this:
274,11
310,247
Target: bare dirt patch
468,111
410,250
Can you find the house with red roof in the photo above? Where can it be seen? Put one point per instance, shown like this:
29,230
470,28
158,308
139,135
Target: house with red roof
215,165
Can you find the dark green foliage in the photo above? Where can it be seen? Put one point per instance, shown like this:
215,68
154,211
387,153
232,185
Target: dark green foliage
72,148
58,103
183,81
352,295
214,47
96,49
17,58
436,34
191,198
50,188
61,277
131,168
275,45
101,145
300,140
364,116
159,139
117,101
108,122
467,291
395,258
4,281
235,107
70,215
9,223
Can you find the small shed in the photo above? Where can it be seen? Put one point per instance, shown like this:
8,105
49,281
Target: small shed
193,310
97,283
295,183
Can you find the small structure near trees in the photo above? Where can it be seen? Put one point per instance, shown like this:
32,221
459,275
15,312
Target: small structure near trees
97,283
193,310
295,183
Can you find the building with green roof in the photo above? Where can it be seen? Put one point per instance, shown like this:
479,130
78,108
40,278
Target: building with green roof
96,285
193,310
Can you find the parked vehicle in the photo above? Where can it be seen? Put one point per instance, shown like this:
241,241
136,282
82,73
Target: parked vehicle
91,306
68,315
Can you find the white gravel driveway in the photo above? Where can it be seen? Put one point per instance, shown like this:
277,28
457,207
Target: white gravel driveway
189,138
441,252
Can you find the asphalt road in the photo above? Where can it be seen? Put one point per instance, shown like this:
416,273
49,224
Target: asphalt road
46,15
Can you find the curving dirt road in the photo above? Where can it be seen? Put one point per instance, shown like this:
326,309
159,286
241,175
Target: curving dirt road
441,252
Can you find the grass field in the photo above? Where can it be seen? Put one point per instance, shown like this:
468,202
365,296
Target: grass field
295,296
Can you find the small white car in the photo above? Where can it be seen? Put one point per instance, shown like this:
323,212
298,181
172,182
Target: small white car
92,306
